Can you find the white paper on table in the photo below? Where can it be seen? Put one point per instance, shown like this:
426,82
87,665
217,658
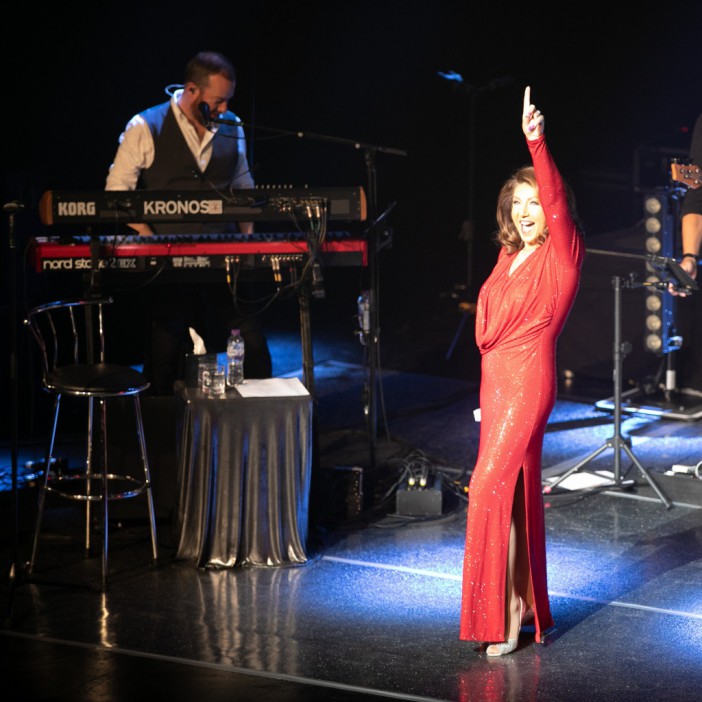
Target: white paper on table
272,387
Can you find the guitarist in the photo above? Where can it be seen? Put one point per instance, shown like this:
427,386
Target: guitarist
691,234
691,211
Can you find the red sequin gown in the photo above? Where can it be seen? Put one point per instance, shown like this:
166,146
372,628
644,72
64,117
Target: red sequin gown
518,319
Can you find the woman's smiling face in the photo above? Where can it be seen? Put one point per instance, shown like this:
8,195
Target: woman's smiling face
527,214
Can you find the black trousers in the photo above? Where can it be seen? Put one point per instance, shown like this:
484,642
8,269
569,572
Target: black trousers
688,361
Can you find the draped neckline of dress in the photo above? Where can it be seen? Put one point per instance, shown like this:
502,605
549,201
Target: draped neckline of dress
516,263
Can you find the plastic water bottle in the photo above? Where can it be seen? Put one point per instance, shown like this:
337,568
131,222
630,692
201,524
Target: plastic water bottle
364,316
235,359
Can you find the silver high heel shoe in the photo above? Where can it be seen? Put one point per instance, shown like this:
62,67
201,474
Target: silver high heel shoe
505,647
502,649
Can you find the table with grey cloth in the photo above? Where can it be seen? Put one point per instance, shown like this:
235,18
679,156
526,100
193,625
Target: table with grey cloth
244,471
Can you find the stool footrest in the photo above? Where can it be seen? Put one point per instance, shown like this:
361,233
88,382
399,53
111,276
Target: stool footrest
131,486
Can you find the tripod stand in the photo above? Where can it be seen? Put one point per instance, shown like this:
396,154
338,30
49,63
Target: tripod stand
617,442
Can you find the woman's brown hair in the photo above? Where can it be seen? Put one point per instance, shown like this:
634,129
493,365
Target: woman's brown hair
507,234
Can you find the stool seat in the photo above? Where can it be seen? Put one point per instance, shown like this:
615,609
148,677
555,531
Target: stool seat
96,379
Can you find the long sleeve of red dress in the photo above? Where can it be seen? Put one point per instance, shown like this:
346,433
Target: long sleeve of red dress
519,317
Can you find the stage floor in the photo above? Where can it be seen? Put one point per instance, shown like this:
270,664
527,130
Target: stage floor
374,613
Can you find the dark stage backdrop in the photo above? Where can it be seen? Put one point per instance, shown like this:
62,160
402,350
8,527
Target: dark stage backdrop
616,96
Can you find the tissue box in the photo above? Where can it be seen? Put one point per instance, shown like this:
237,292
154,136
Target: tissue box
192,363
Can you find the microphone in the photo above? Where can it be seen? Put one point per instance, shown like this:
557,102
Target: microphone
205,112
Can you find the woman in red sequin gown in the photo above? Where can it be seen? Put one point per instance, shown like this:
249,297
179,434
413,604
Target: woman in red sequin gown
521,310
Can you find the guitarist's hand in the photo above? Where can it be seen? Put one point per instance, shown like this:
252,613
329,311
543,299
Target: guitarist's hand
689,265
532,119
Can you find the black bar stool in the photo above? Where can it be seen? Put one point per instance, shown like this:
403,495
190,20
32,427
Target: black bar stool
71,338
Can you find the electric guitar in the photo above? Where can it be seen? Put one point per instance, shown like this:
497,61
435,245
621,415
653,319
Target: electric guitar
689,174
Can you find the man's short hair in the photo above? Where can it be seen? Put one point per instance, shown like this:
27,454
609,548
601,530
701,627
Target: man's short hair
207,63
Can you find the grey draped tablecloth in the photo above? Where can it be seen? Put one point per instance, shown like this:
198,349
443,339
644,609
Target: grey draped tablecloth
244,471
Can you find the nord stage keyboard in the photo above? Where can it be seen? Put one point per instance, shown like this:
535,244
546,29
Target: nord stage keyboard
193,252
183,206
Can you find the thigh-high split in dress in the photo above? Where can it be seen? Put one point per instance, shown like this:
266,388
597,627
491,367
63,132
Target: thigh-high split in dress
518,319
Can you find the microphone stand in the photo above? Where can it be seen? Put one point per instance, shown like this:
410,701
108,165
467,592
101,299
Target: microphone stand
12,208
374,328
473,92
370,151
310,135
